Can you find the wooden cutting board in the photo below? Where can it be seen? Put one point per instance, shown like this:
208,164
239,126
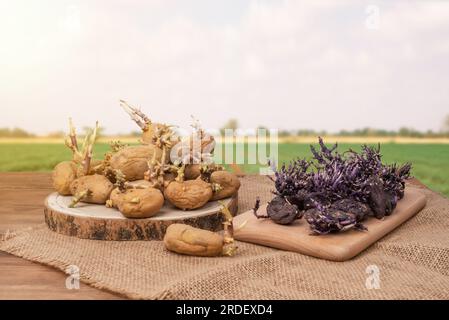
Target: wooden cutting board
335,247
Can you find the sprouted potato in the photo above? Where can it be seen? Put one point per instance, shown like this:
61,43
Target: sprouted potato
149,129
97,188
185,239
228,183
192,171
66,172
136,180
133,161
340,192
138,203
63,175
190,194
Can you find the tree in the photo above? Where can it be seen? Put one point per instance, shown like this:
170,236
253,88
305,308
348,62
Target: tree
285,133
57,134
231,124
87,130
446,125
14,133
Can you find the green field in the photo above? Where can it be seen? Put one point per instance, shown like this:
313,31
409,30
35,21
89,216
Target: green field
430,161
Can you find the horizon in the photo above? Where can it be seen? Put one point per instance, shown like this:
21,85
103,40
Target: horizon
17,132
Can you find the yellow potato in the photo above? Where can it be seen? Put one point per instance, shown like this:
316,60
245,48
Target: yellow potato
188,195
140,184
147,135
228,182
133,161
96,167
184,239
115,197
63,175
192,171
138,203
99,188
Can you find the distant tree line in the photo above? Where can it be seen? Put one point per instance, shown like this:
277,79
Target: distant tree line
21,133
233,124
14,133
371,132
368,132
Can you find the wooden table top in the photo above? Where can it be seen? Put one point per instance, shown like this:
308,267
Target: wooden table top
22,196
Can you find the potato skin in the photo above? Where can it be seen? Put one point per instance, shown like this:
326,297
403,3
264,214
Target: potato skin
115,197
229,183
188,195
99,186
63,175
133,161
192,171
138,203
185,239
147,136
140,184
96,167
92,169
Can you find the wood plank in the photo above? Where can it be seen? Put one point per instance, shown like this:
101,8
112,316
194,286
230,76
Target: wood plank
335,247
25,180
22,279
22,196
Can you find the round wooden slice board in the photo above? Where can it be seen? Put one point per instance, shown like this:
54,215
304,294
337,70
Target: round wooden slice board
97,222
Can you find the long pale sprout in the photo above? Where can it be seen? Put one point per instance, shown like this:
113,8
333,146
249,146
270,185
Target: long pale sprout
73,138
88,151
84,155
136,115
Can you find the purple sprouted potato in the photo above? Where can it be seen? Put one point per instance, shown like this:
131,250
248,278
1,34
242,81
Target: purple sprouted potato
289,180
330,177
332,220
394,178
302,200
378,198
256,209
280,210
342,215
359,209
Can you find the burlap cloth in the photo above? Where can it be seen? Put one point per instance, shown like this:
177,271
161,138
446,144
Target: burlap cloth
413,262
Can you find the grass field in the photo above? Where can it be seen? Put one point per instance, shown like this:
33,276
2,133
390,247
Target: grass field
430,161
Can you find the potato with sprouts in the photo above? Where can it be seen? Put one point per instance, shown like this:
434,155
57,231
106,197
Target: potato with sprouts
136,180
149,129
138,203
187,240
133,161
66,172
63,175
228,184
188,195
97,188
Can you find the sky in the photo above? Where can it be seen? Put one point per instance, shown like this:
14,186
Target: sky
323,65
